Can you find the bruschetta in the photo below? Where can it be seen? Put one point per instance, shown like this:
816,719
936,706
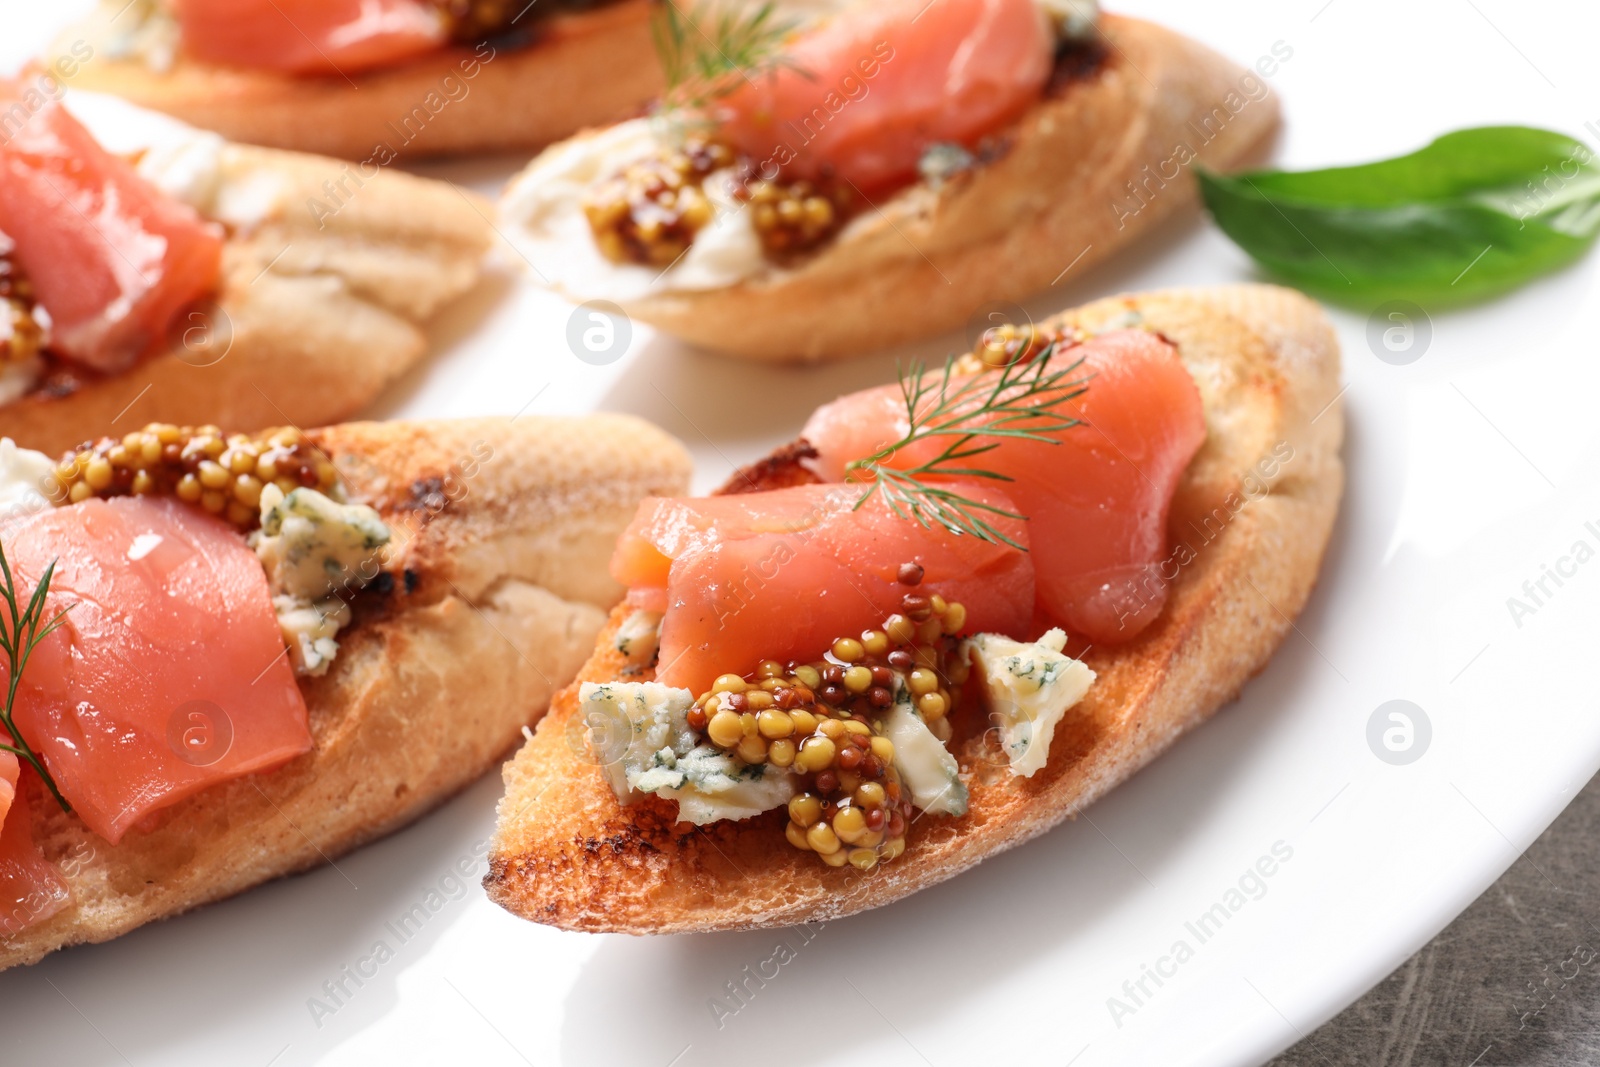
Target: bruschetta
884,654
276,646
885,171
153,272
369,80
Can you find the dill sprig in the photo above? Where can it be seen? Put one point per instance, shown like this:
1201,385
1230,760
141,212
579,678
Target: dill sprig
976,414
706,57
18,638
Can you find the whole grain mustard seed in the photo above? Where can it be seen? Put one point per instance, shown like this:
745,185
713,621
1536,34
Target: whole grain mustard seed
650,213
21,334
823,721
196,464
793,218
1008,344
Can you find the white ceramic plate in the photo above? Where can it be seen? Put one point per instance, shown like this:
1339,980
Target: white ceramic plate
1470,470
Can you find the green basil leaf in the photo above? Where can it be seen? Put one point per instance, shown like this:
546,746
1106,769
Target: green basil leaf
1473,214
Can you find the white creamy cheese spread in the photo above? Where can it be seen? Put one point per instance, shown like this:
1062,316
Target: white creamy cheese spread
193,166
543,214
22,473
18,379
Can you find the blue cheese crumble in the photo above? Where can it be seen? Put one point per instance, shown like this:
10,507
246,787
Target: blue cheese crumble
1031,686
1074,21
640,733
927,769
638,640
309,630
314,547
143,31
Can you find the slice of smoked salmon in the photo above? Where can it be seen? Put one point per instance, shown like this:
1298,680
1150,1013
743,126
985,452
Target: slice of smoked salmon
170,673
309,36
865,94
1096,501
111,258
9,769
31,888
782,574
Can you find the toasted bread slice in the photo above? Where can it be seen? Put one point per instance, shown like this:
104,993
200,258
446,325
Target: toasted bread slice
1256,506
318,311
500,585
1101,160
577,69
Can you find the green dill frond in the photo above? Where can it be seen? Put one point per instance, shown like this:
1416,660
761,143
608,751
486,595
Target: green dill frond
708,53
975,413
20,634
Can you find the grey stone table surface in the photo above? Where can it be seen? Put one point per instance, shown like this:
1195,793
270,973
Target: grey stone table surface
1514,980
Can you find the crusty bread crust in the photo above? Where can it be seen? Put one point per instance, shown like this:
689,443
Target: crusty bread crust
1266,361
317,311
1065,193
499,590
581,69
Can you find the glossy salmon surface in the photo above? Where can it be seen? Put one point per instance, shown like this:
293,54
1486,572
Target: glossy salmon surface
331,37
782,574
1096,499
31,888
112,259
10,768
170,674
864,94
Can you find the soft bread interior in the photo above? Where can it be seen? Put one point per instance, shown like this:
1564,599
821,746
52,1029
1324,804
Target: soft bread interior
1256,505
498,594
316,315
